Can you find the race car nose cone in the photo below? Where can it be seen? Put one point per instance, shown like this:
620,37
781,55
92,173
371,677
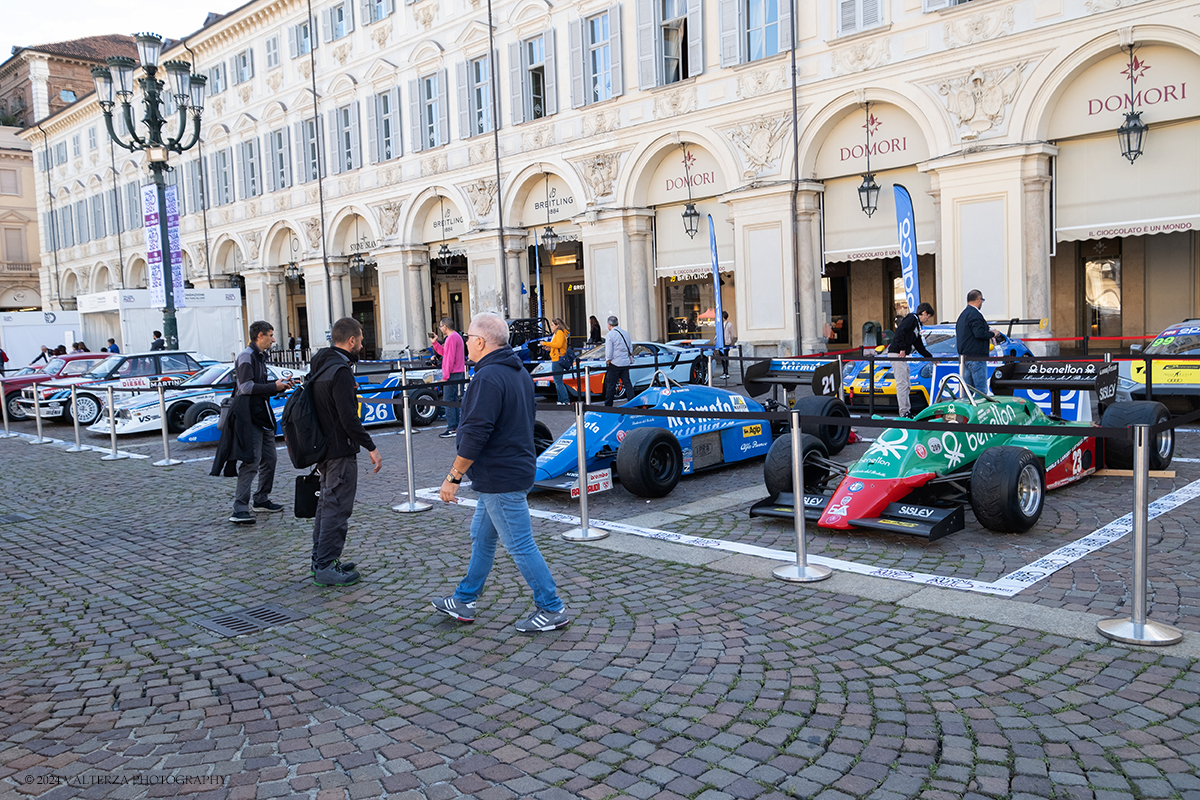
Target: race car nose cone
860,498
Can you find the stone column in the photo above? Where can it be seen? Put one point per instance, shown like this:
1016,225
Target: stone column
314,301
274,311
338,278
1035,181
940,263
642,318
415,259
808,271
281,293
514,259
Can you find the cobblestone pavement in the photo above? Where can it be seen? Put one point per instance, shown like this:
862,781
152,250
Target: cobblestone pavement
676,680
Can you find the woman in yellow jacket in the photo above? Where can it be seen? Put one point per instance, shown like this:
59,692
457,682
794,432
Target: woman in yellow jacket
558,347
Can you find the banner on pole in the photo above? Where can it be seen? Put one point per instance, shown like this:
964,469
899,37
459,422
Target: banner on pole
154,246
719,338
906,228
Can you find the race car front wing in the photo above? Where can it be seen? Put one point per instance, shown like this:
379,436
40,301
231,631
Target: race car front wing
927,522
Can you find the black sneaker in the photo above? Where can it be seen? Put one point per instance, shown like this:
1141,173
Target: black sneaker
242,518
463,612
544,621
347,566
448,434
268,506
336,575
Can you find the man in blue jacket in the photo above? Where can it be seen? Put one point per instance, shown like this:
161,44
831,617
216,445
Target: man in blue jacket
973,337
495,448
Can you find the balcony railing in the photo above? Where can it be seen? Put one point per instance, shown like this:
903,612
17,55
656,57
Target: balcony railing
17,268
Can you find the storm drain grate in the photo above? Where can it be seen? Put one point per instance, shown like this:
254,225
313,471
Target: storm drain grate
237,623
5,519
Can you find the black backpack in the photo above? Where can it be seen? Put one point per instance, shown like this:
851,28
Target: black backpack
306,443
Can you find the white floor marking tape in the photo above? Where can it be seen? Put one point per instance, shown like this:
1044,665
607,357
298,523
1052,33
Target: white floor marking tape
374,435
1009,585
52,440
1186,460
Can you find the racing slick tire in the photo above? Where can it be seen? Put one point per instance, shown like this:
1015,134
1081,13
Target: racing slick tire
15,411
623,392
199,411
1118,453
89,409
834,437
650,462
698,374
422,412
777,469
176,417
542,437
1008,489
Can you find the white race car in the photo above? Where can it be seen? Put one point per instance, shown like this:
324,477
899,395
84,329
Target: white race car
195,399
682,363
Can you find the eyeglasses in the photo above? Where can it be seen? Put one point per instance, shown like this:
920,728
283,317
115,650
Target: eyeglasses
471,336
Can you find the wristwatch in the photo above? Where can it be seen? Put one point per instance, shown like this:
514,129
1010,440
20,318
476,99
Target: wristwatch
451,477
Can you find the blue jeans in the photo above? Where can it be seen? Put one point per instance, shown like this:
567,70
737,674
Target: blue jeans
505,516
977,375
560,388
452,394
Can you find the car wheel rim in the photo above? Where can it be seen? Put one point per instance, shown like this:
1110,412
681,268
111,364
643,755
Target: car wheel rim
87,409
175,415
14,409
1029,490
662,463
1165,444
207,413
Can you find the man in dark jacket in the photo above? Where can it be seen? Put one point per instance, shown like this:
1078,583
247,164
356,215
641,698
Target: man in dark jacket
973,338
159,343
335,397
907,339
495,447
253,424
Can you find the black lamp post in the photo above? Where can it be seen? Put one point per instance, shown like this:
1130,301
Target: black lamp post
549,237
868,190
1132,131
114,84
691,217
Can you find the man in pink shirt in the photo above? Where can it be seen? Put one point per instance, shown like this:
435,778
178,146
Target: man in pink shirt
454,368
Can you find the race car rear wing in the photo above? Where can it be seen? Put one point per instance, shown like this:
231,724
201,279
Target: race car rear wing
1057,377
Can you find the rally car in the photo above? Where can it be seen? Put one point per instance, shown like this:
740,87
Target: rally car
64,366
856,374
1176,384
125,373
685,363
204,429
649,454
919,482
196,398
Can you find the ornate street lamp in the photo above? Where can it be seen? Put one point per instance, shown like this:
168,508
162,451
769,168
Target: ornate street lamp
550,239
114,84
1132,132
443,253
691,217
868,190
358,262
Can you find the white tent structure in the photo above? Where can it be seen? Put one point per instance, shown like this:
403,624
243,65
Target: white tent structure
210,323
22,333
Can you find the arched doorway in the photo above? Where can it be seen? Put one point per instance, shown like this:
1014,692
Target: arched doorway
449,268
556,285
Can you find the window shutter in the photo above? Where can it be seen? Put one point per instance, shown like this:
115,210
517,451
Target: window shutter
647,28
293,40
390,7
444,105
301,152
268,149
551,73
349,15
847,19
934,5
250,60
465,100
414,116
333,131
695,42
326,25
287,158
786,23
617,75
241,167
366,11
872,13
578,64
397,139
355,138
233,70
516,86
373,126
729,22
113,211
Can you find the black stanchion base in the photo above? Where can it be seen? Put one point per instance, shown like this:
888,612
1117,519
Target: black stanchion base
926,522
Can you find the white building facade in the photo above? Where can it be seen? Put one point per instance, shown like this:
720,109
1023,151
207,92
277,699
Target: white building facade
999,116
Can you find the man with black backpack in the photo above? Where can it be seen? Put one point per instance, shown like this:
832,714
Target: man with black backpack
335,396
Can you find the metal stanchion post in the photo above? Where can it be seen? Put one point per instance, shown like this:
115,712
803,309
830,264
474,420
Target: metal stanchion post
1136,629
112,431
78,448
710,369
585,532
840,390
871,380
587,384
166,461
801,571
962,376
412,505
4,410
37,415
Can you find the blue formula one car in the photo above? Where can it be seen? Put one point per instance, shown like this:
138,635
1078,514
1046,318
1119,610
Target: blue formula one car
371,413
649,454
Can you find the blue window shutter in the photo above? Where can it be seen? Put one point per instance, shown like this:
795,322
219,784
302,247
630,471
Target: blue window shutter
355,137
465,101
647,46
397,139
444,104
695,42
414,116
516,81
551,73
614,37
578,64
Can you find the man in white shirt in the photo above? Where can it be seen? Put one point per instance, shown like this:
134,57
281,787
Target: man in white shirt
730,339
618,355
